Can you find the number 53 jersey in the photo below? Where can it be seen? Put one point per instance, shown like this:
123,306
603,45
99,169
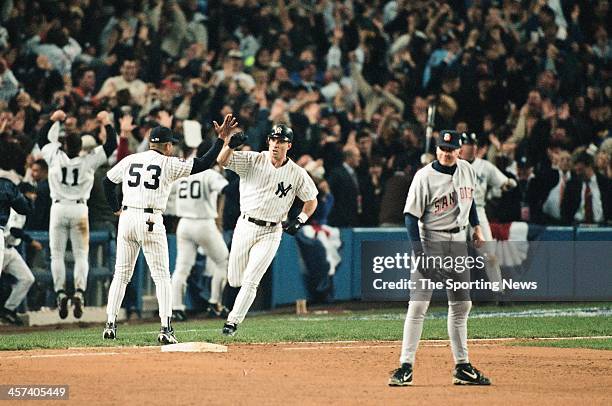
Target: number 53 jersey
71,179
146,178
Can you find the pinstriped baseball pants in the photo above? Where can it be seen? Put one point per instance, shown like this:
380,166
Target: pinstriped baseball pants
133,235
253,249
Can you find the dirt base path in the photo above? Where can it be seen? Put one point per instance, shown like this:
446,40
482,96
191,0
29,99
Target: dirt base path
332,373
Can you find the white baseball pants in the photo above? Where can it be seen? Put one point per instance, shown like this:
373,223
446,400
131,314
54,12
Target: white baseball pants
16,266
191,234
134,234
253,249
69,220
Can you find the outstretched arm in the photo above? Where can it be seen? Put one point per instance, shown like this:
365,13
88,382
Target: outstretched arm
223,131
111,136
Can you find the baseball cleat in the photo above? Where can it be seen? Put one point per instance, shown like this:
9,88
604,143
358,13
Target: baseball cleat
401,376
10,316
229,329
466,374
110,331
179,315
77,302
62,304
166,336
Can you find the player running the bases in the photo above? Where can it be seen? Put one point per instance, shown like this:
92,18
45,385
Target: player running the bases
269,183
146,179
439,206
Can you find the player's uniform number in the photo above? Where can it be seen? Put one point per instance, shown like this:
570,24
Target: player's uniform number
135,176
75,176
193,190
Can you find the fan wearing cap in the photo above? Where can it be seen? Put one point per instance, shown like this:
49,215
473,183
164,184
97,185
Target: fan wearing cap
488,177
269,183
146,179
439,207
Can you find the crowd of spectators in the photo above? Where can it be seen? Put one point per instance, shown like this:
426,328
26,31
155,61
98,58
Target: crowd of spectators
354,79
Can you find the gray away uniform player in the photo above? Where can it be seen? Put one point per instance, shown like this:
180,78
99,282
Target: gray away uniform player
196,205
269,183
487,177
71,177
438,209
146,179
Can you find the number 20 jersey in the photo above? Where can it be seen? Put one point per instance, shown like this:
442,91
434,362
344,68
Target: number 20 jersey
146,178
71,179
196,195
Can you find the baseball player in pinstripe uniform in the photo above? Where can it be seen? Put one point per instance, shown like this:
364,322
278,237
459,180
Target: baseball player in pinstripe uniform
269,182
15,265
438,209
196,205
146,179
71,176
487,177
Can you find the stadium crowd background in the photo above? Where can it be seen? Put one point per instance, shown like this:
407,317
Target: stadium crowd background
354,80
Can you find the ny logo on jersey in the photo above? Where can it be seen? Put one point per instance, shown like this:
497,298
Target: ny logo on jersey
281,191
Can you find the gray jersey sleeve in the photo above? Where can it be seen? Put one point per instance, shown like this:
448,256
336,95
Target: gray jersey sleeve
418,195
495,177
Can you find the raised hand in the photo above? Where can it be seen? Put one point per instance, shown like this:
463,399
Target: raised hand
229,123
104,118
58,115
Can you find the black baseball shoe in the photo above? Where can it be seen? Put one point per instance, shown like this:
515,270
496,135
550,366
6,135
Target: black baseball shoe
62,304
466,374
215,311
402,376
78,301
110,331
10,316
179,315
229,329
166,336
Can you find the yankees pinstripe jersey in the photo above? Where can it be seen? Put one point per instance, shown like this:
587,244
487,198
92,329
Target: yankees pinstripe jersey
267,192
16,220
196,195
71,179
147,178
442,201
487,175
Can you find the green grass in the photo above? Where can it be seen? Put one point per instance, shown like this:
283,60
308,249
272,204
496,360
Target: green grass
381,324
592,343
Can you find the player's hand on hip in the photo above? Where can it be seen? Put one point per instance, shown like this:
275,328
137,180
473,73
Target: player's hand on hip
291,227
224,130
478,237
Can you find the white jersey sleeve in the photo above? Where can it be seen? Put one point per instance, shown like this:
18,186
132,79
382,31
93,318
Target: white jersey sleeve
307,190
241,162
216,181
418,196
115,174
179,168
49,150
97,157
495,177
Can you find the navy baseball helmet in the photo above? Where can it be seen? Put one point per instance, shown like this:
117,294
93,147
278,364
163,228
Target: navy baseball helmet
162,134
469,139
282,132
449,139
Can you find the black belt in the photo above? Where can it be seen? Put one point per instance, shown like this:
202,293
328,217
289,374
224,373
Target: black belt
261,223
147,210
452,230
80,201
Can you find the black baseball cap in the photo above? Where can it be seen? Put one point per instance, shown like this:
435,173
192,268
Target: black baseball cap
469,139
449,139
283,132
161,134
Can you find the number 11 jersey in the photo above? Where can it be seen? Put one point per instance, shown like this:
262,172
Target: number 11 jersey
146,178
71,178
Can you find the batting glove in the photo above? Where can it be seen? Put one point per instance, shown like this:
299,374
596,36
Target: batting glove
237,140
291,227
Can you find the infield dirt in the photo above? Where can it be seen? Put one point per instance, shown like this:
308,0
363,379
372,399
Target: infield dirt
302,373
